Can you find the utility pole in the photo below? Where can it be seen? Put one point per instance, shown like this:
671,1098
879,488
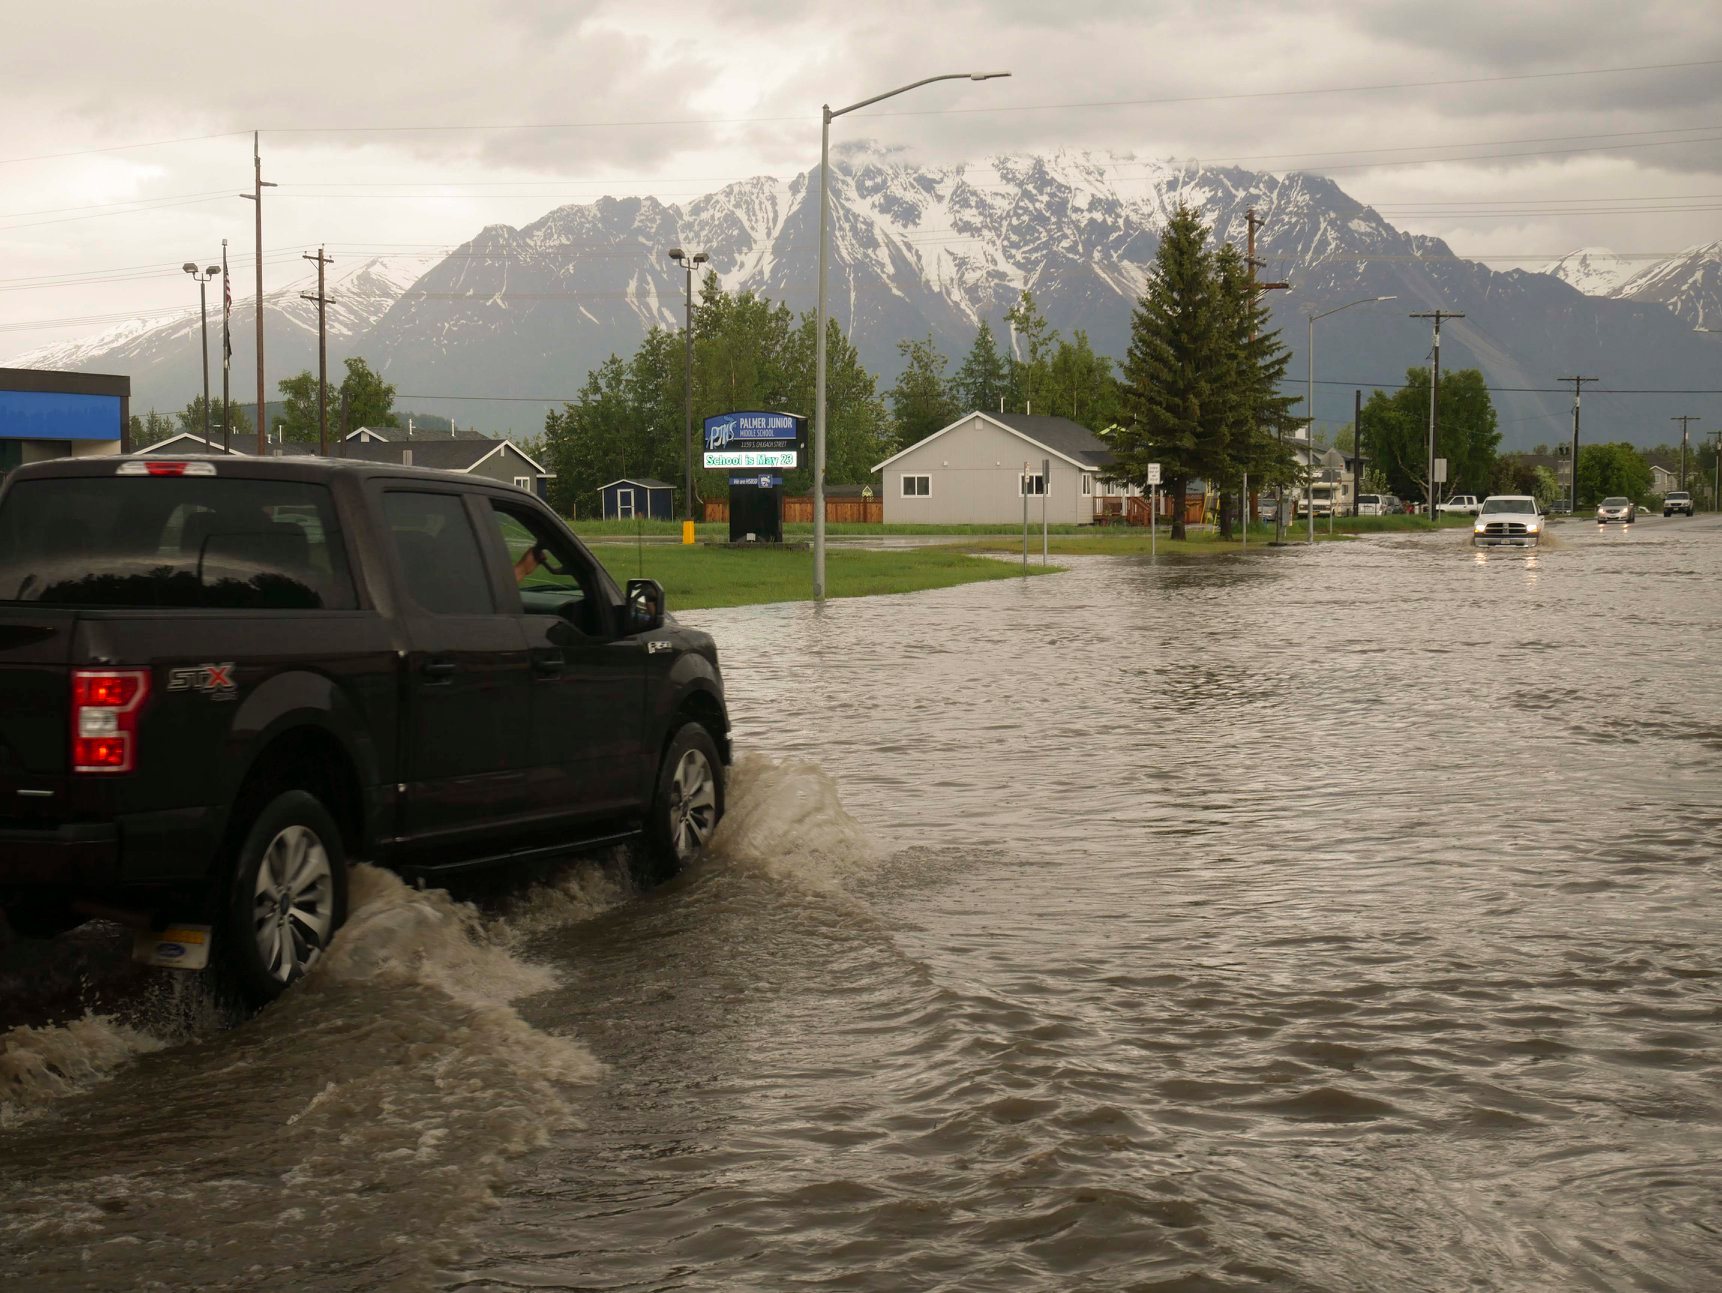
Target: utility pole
322,351
1578,385
1356,453
687,261
1684,420
1716,498
1434,395
258,184
1252,222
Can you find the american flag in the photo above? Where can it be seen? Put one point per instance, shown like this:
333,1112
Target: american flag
226,311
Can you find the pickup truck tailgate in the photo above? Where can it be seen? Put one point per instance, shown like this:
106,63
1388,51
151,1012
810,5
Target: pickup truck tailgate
35,700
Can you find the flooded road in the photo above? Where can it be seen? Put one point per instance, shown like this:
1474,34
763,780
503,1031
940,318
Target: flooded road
1333,918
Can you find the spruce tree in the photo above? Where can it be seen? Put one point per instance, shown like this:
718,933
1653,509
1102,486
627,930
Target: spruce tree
921,401
984,379
1170,370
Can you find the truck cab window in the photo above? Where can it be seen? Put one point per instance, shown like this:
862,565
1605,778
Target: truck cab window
441,564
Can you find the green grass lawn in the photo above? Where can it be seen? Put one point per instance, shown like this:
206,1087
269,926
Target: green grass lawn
700,576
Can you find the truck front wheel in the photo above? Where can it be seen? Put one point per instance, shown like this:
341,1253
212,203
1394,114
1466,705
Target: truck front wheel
687,805
289,896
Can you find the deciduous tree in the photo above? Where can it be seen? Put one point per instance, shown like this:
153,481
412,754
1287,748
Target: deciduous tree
1609,471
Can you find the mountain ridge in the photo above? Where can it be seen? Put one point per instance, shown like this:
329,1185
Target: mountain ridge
519,316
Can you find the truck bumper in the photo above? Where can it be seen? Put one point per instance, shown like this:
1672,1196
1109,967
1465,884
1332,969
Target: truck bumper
82,856
98,859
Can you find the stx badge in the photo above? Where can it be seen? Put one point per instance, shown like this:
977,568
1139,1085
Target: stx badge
213,680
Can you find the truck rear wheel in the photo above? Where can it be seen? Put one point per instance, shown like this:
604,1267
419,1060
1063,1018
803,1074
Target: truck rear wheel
686,807
288,896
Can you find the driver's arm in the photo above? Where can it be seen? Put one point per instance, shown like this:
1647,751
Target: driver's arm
529,561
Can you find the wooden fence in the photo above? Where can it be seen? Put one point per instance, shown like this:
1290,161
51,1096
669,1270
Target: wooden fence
848,511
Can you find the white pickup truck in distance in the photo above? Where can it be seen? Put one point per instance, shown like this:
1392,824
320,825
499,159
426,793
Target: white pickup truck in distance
1460,505
1676,500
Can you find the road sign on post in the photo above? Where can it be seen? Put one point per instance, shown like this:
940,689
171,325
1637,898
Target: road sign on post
1153,473
1440,471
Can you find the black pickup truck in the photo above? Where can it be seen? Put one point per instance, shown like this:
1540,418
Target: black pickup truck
223,680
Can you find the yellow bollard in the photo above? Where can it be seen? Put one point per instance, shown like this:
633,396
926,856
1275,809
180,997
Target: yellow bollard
687,531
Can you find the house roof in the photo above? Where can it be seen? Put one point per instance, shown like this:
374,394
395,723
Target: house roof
645,482
461,454
191,442
1061,437
393,434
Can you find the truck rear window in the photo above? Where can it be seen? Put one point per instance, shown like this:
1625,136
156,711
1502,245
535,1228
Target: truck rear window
191,541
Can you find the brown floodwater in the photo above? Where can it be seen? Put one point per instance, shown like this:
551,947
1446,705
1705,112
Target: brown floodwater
1325,919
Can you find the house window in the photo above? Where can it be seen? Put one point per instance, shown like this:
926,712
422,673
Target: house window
523,482
1087,483
1035,484
917,486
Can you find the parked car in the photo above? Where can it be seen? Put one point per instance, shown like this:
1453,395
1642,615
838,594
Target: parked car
221,679
1616,509
1676,500
1373,504
1460,505
1510,520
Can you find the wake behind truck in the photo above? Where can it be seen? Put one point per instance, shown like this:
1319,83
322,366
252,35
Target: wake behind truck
223,680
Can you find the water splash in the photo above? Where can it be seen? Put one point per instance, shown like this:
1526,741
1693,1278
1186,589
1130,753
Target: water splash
40,1065
784,819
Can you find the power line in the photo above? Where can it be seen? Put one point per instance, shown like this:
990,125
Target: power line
1535,390
121,148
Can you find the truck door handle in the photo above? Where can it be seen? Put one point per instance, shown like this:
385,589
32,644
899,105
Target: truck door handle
438,670
548,661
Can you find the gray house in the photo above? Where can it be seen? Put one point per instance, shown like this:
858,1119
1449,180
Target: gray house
470,455
977,470
480,456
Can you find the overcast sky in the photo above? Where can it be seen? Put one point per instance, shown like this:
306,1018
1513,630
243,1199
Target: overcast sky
395,127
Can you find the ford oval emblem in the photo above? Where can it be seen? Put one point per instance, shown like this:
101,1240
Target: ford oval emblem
172,951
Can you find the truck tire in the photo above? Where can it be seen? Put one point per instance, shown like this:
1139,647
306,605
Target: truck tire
686,806
287,896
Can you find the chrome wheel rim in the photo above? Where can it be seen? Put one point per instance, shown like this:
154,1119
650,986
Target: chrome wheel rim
693,804
293,911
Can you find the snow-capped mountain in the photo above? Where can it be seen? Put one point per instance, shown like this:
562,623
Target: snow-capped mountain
1689,284
1595,271
162,353
526,313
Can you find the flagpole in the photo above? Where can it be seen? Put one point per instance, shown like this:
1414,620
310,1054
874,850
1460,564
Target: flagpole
226,352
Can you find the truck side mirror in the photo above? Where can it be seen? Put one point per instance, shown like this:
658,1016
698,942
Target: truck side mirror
645,606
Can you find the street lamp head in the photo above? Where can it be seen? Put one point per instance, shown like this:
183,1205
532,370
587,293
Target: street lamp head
213,270
1387,298
700,258
676,253
189,267
986,76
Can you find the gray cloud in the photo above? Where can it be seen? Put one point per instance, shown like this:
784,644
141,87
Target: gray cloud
201,66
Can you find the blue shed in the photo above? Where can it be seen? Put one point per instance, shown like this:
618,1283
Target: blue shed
641,496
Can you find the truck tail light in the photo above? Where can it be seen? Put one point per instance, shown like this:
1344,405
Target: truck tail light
105,708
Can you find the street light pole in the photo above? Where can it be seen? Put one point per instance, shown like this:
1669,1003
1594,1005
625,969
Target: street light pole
1309,398
688,262
202,280
827,113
